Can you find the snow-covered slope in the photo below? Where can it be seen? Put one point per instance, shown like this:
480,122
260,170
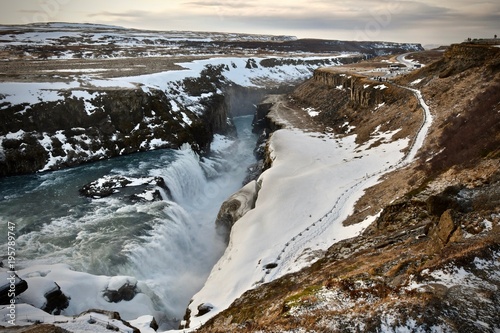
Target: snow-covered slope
310,189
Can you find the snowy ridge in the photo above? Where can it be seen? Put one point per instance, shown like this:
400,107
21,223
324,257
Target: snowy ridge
235,71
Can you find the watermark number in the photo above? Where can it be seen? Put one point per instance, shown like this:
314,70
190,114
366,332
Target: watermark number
11,275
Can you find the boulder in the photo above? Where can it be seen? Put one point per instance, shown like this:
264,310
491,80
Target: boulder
104,187
448,199
56,301
204,308
141,188
11,283
235,207
120,289
447,230
154,325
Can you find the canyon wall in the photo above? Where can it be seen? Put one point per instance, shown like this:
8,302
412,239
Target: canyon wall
71,131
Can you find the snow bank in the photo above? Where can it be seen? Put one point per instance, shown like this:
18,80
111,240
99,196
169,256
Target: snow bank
310,189
84,290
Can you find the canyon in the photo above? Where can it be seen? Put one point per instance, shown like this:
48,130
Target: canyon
429,261
374,207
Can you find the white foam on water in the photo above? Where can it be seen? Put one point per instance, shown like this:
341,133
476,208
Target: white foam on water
171,245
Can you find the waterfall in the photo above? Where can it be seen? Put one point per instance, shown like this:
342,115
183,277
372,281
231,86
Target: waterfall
169,245
175,258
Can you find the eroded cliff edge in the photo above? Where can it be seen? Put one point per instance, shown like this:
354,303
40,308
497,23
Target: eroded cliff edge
88,124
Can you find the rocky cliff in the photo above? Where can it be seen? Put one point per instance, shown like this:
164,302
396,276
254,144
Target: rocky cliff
430,261
73,130
62,113
345,100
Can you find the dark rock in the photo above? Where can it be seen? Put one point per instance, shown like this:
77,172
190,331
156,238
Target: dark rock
260,120
125,293
124,121
56,301
154,324
254,171
11,283
271,265
204,308
109,185
104,186
450,198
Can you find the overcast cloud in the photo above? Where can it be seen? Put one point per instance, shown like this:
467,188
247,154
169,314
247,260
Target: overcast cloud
423,21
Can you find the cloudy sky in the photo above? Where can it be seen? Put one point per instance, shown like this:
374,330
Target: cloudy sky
423,21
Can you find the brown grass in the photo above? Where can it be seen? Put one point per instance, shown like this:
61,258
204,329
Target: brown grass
473,135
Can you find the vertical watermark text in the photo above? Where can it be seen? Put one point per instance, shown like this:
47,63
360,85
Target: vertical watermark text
11,275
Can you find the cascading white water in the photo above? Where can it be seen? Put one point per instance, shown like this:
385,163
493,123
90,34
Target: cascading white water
175,258
171,245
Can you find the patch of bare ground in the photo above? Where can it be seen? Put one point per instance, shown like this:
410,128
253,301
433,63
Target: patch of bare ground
426,57
40,328
68,69
285,113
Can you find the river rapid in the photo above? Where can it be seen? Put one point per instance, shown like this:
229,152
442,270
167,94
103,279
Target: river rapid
170,244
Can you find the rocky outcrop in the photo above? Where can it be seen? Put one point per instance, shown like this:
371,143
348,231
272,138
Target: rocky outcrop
114,122
360,91
145,188
56,300
345,100
12,286
204,308
235,207
124,291
447,229
260,121
460,57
